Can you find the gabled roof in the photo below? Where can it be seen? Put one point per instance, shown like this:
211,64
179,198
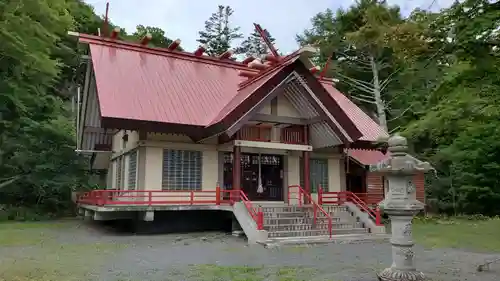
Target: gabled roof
371,131
244,92
366,156
259,88
156,89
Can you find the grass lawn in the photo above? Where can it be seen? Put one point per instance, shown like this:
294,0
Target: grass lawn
476,235
248,273
36,252
32,251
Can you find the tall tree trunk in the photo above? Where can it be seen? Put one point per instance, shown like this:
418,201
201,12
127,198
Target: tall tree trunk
9,181
380,104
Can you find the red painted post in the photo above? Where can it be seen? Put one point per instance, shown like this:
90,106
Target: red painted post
378,218
236,167
315,214
217,194
300,195
320,195
191,197
98,198
150,198
288,195
260,219
306,157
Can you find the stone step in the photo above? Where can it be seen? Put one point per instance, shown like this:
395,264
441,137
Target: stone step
286,214
295,220
330,208
325,239
308,212
315,232
285,209
297,227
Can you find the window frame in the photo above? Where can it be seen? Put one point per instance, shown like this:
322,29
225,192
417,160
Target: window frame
184,171
313,183
128,171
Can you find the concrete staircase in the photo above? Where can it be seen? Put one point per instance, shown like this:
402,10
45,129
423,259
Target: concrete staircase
283,221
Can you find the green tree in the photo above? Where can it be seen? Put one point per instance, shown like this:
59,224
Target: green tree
361,39
219,34
457,128
38,165
254,45
158,36
443,67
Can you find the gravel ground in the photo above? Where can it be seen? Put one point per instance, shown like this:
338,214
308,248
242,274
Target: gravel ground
83,252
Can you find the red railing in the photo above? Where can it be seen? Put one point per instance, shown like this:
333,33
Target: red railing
255,213
338,198
256,133
301,195
292,135
370,198
171,197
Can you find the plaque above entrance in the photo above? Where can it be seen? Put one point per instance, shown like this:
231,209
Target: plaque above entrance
273,145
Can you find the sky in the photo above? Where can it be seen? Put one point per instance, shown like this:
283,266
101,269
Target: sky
182,19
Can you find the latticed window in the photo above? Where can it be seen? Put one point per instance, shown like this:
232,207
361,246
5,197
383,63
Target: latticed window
132,170
181,170
119,173
318,174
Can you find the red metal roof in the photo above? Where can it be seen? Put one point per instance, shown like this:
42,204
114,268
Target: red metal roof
246,90
244,93
133,85
135,82
370,129
366,157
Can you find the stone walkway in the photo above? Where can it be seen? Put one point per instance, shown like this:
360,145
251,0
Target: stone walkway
86,253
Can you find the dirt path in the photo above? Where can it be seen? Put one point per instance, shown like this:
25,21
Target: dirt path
77,251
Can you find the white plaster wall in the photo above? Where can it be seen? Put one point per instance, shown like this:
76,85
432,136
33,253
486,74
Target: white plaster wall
292,174
266,108
334,174
153,168
210,169
285,108
117,145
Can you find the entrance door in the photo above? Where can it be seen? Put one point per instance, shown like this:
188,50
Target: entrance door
271,171
355,178
272,176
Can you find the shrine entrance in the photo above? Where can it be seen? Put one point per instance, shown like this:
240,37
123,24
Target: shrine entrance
261,176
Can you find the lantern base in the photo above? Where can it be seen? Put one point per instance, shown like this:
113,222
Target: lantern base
392,274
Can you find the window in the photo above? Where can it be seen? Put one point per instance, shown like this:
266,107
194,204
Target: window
132,170
318,173
119,172
181,170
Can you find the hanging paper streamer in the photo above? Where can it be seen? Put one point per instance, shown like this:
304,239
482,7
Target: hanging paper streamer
260,188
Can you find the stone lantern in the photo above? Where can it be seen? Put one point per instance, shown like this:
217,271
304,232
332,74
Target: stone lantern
401,205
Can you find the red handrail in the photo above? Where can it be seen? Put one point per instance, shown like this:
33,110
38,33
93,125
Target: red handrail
301,194
171,197
151,197
370,198
256,214
339,197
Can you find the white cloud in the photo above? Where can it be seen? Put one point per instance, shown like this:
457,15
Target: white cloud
184,18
